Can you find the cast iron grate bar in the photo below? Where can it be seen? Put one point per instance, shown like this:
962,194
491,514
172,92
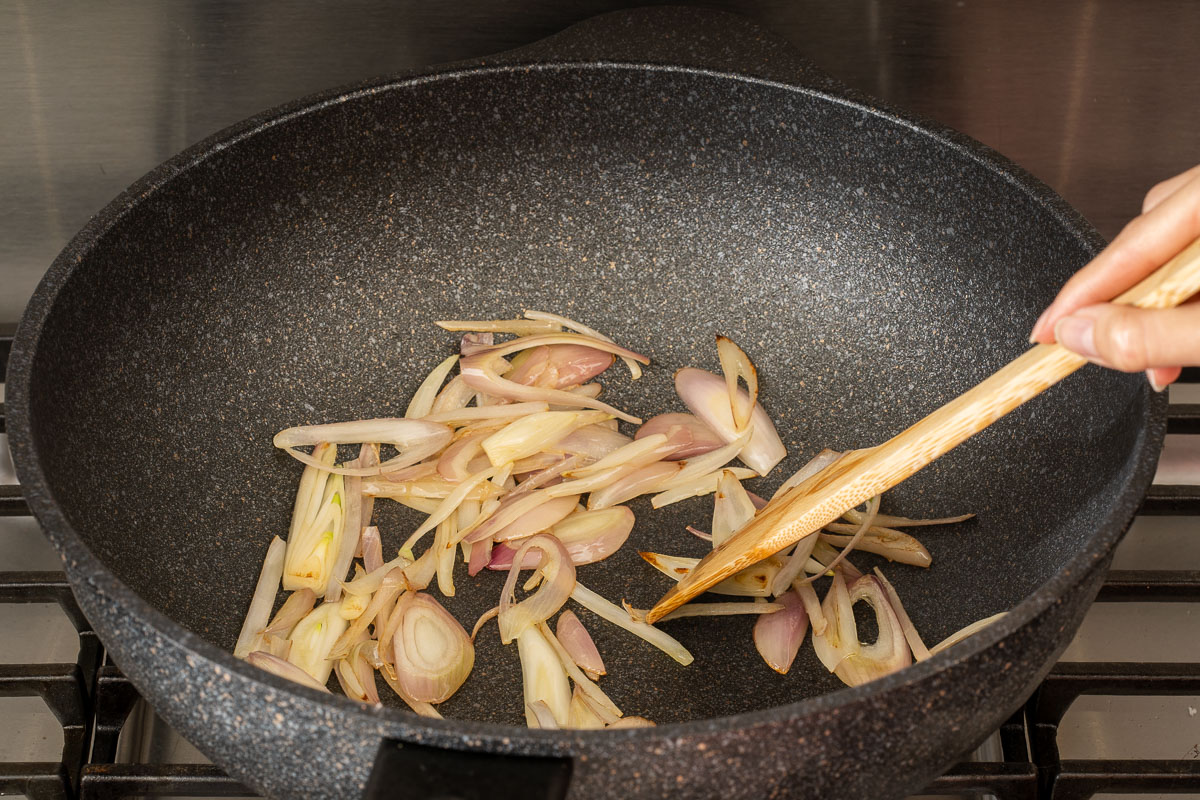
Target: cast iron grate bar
115,699
1184,418
1067,682
12,504
1005,781
1083,779
1171,501
7,331
1146,585
43,587
36,780
116,781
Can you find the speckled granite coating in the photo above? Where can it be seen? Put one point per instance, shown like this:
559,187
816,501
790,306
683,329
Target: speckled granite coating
286,272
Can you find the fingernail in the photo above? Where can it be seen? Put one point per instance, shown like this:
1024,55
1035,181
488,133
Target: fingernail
1037,325
1078,335
1154,384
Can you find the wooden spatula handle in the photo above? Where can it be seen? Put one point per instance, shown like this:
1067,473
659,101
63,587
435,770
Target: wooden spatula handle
865,473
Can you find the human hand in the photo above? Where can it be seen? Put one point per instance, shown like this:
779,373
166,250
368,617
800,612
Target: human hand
1123,337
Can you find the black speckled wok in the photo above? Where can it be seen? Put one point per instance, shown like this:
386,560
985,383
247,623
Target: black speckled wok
664,176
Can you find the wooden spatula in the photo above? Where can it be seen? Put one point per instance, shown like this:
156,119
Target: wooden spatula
862,474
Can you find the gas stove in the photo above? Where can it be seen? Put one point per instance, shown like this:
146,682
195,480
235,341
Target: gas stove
94,97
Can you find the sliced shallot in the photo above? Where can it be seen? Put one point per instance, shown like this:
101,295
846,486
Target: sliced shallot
519,327
313,639
840,649
736,364
578,643
690,436
635,370
590,689
719,610
434,654
970,630
890,521
265,590
543,677
284,669
890,543
732,508
872,508
539,519
422,399
630,722
478,373
919,650
295,608
706,396
580,714
643,480
534,433
619,617
559,573
777,637
589,536
416,440
559,366
700,485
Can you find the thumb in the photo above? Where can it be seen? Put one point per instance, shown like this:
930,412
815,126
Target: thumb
1133,339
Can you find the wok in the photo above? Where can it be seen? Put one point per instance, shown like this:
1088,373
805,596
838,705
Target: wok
662,175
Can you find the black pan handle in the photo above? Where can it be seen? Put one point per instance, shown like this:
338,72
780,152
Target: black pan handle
409,770
696,38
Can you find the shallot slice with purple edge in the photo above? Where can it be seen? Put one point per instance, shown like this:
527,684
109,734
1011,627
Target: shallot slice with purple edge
687,432
706,396
777,637
578,643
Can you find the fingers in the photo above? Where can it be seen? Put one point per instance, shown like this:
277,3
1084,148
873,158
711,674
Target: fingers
1162,377
1134,339
1146,243
1161,191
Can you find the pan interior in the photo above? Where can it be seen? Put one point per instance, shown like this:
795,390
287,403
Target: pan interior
871,271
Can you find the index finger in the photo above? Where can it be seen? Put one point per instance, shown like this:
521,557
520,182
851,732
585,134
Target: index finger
1145,244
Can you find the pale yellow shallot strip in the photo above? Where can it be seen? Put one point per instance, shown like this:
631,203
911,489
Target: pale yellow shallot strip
701,485
717,610
619,617
264,598
735,363
812,604
444,554
640,451
479,372
415,438
421,404
528,342
714,460
889,521
970,630
919,650
517,327
461,416
391,587
450,504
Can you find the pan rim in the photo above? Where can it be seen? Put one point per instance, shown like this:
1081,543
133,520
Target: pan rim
86,566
